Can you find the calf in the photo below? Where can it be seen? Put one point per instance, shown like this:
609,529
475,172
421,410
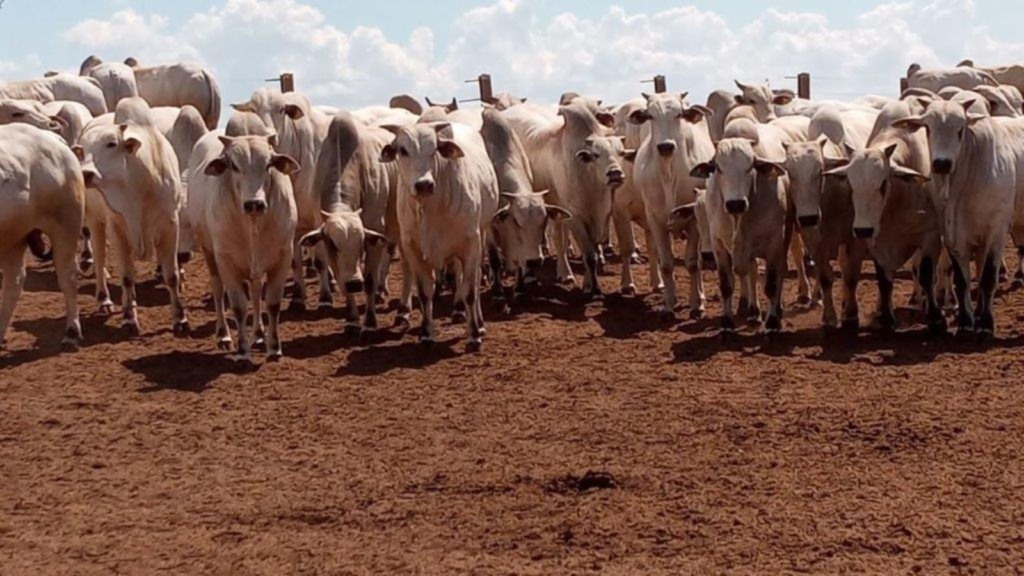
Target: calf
43,192
241,207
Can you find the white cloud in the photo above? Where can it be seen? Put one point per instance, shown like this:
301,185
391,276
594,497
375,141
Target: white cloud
246,41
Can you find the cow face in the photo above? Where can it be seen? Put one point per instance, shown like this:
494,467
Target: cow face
762,99
277,111
666,114
417,149
736,168
947,124
31,113
247,165
346,240
805,163
107,152
871,174
607,156
519,228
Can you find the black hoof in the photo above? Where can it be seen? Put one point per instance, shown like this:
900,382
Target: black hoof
458,317
803,300
296,306
182,328
66,345
629,291
773,325
474,346
401,322
696,313
275,357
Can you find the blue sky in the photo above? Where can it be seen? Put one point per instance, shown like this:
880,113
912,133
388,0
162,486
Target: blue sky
355,53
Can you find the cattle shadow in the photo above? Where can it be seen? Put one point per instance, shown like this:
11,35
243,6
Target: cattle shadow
49,332
411,354
183,371
319,345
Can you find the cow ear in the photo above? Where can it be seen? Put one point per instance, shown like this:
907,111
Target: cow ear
557,213
244,107
975,118
607,119
272,139
284,164
908,174
890,150
79,152
911,124
839,172
638,117
313,238
740,99
225,140
684,212
695,114
833,163
585,156
968,103
703,170
629,155
769,168
647,96
131,62
444,129
294,112
391,128
132,144
449,150
91,176
216,167
782,98
501,215
372,238
388,153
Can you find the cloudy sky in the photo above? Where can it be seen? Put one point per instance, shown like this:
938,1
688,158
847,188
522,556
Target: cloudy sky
354,53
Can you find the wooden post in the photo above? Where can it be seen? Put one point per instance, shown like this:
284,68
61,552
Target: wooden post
659,84
803,85
486,90
287,82
904,84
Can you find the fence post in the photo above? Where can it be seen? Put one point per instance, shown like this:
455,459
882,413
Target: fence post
287,82
803,85
660,86
904,84
486,91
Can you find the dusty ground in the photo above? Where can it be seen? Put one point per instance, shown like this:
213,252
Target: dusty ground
810,454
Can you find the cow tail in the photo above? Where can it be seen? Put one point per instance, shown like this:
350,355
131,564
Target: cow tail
212,117
37,245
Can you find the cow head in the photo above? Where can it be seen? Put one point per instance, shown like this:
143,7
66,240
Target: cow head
761,98
346,240
1002,101
607,154
277,111
667,113
249,167
806,162
29,112
736,168
681,221
107,152
417,149
872,174
519,228
947,124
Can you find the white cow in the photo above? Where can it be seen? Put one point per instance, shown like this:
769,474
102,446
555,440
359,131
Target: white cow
117,81
939,78
133,166
180,84
241,206
58,87
448,194
42,192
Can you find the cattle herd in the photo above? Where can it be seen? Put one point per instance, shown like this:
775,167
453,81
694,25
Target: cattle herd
757,181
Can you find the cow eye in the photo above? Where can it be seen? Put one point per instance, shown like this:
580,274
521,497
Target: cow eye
111,144
18,115
960,133
403,152
884,188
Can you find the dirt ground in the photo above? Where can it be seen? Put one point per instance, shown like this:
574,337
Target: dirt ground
586,438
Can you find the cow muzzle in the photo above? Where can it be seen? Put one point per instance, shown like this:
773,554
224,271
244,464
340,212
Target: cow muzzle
864,233
423,187
737,206
254,206
942,166
809,220
616,178
666,149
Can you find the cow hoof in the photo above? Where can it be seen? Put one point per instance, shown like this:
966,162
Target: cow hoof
937,327
727,334
297,306
401,322
371,323
772,325
275,356
965,332
458,317
635,258
325,304
85,267
66,345
696,313
107,308
131,327
353,329
594,296
181,328
804,300
629,291
427,342
474,345
224,343
754,316
850,325
665,314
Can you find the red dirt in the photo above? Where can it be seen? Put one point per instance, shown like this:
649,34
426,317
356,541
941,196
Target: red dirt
585,438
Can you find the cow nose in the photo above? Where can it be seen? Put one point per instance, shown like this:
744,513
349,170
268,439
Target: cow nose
666,149
736,206
255,206
424,187
942,166
864,233
353,286
809,221
616,177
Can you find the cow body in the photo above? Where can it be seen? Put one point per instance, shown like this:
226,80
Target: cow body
58,87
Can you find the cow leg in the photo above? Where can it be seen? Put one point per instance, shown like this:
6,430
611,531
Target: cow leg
130,318
425,284
256,294
944,282
469,291
276,279
497,267
654,272
240,307
565,275
774,279
986,323
885,319
64,244
666,266
726,285
320,260
167,254
298,279
850,258
627,250
796,252
826,279
962,286
370,287
403,317
218,293
86,263
933,312
13,268
693,267
106,305
749,306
